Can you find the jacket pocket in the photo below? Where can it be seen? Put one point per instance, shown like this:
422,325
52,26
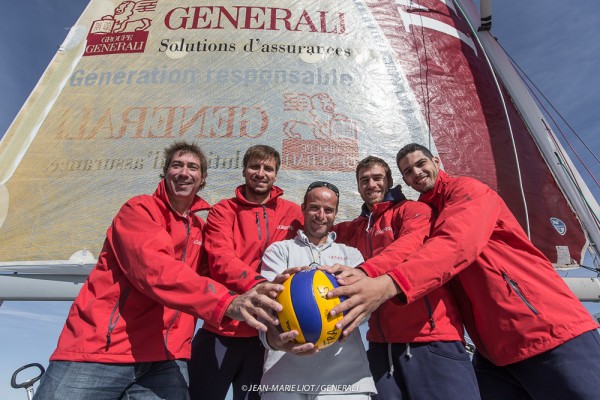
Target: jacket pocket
453,350
514,285
429,313
166,338
112,323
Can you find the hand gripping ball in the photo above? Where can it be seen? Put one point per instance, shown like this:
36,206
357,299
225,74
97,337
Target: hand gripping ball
306,307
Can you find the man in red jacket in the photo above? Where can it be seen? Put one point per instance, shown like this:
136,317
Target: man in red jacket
238,231
128,331
534,339
415,351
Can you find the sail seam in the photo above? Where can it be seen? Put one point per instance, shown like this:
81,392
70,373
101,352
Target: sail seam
36,128
503,101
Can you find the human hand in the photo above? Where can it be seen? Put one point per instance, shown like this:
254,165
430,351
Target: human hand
364,296
256,303
282,277
285,342
344,275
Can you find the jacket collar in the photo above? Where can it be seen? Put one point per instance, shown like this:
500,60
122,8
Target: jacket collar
432,197
240,192
197,205
392,197
301,236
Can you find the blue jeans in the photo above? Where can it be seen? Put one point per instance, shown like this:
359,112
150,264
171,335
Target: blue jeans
102,381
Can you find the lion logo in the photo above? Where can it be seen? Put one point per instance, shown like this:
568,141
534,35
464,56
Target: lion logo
320,118
122,21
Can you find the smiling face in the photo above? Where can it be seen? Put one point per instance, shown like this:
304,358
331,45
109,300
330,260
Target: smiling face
418,171
319,209
260,176
183,180
373,184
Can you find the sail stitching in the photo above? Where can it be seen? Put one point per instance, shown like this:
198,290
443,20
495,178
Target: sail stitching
503,101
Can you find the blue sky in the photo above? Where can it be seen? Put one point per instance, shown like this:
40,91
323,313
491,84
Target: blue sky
557,43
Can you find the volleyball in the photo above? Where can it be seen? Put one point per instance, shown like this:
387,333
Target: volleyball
306,307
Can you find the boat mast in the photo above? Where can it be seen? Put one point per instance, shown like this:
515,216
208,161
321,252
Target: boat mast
566,175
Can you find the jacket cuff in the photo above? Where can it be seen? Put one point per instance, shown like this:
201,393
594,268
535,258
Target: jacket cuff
250,283
218,316
263,339
369,270
403,285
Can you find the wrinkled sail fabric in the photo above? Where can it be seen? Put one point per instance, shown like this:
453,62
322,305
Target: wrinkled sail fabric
325,83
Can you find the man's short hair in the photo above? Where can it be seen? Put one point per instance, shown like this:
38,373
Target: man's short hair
411,148
370,162
185,148
262,152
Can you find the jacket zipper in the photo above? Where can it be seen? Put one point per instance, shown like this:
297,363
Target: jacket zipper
515,286
368,238
258,225
167,334
187,237
430,312
266,228
369,243
111,324
183,255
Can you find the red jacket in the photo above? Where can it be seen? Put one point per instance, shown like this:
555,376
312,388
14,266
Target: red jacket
514,304
237,234
140,301
402,225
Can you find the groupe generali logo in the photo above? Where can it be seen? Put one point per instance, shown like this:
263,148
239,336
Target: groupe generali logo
318,137
123,31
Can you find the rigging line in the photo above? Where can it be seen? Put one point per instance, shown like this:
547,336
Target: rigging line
533,93
571,176
427,100
424,92
576,185
503,101
569,143
548,101
590,268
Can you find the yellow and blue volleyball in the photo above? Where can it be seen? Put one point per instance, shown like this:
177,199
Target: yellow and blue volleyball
306,307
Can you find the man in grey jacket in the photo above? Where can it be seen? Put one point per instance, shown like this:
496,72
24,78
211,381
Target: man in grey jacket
294,371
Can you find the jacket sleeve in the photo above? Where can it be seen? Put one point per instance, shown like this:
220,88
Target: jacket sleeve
412,224
461,231
346,233
224,263
145,252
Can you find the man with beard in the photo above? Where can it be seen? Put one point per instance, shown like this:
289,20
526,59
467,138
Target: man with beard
128,331
238,231
415,351
534,339
340,370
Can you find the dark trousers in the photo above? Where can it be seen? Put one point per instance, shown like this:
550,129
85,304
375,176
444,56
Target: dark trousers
426,371
218,362
569,371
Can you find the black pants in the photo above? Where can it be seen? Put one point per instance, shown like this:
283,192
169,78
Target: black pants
219,362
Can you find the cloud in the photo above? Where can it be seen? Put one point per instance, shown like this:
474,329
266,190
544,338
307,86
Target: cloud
38,317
